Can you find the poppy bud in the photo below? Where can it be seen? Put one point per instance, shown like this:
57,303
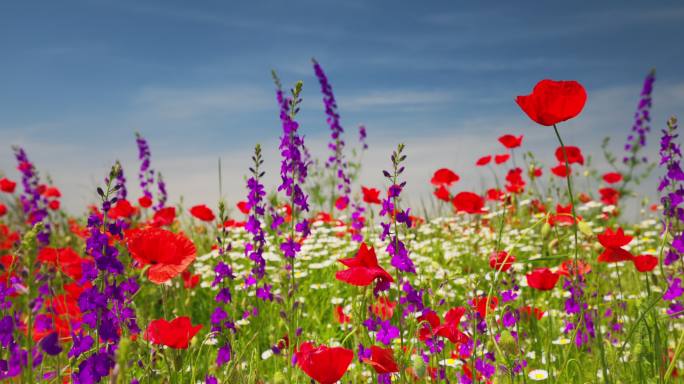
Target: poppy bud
545,230
418,365
507,342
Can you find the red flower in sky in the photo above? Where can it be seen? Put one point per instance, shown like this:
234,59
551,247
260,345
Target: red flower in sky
542,279
535,173
484,160
363,268
613,243
468,202
122,209
168,253
52,192
175,333
164,217
612,177
510,141
574,155
502,158
382,360
553,101
202,212
501,261
442,193
515,182
609,196
444,176
494,194
322,364
243,207
645,263
7,185
341,203
561,170
145,202
371,195
384,308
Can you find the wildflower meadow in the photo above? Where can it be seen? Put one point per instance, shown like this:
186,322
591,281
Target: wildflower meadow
537,276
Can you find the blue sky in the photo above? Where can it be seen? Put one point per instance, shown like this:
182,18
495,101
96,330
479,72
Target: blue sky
78,78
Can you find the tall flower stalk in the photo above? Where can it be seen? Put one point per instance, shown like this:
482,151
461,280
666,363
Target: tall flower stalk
33,203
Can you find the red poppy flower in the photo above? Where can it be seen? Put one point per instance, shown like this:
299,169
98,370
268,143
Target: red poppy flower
340,316
243,207
122,209
612,177
574,155
66,259
145,202
164,217
382,360
428,321
529,311
3,209
7,237
613,243
538,206
174,334
645,263
341,203
384,308
168,253
494,194
371,195
510,141
515,182
363,268
7,185
583,198
567,268
480,305
609,196
468,202
201,212
484,160
561,170
54,205
542,279
553,101
190,281
449,329
563,216
502,158
323,364
444,176
52,192
64,314
535,173
442,193
501,261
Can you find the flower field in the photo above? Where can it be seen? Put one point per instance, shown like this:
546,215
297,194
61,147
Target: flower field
537,276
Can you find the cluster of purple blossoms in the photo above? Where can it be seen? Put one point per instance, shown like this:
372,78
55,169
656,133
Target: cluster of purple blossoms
105,306
362,137
33,203
221,320
672,188
146,174
254,249
293,170
122,193
163,195
642,119
336,159
576,305
396,248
